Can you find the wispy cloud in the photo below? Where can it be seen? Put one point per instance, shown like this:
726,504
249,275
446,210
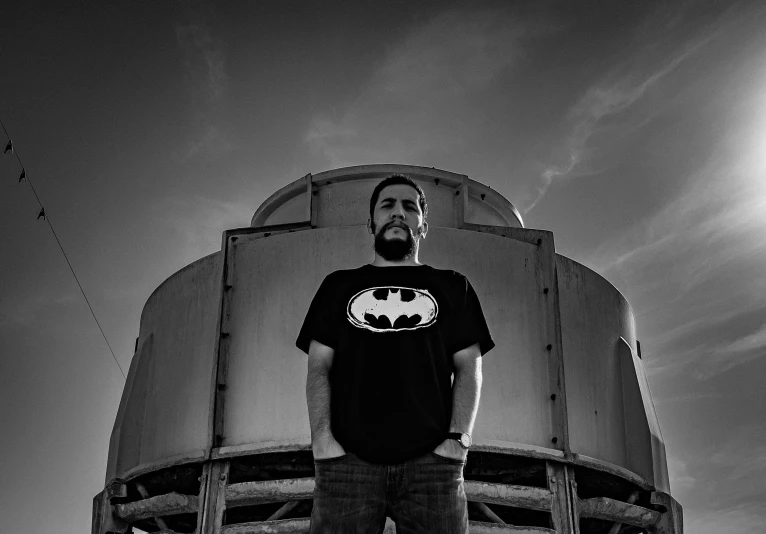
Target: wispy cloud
611,96
206,80
695,268
420,99
200,221
203,60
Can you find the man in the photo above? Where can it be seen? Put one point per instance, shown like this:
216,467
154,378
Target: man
389,430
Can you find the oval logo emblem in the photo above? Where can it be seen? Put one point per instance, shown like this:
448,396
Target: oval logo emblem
392,309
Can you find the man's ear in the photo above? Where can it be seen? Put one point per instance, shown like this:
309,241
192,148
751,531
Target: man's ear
369,226
425,230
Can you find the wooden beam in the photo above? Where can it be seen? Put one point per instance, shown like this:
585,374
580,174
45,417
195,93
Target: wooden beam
281,526
509,495
616,527
477,527
618,511
484,510
169,504
145,495
247,493
283,511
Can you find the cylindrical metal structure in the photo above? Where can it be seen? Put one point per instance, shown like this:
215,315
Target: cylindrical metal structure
215,408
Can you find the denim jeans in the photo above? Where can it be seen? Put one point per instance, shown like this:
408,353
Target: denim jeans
423,495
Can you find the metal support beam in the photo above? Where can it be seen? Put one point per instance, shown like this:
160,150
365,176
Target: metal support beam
671,521
562,514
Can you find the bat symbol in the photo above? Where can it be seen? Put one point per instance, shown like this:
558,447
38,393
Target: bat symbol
392,308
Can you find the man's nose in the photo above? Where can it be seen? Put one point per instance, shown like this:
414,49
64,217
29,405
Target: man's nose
397,211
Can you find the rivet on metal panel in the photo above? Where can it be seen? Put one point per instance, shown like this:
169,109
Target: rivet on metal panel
554,439
539,242
234,238
553,396
227,287
545,291
221,387
267,234
328,182
314,192
483,195
436,181
224,334
548,347
457,193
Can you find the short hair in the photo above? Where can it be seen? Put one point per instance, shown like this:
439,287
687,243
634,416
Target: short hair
398,179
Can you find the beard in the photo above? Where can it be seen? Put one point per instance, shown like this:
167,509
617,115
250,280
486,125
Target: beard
394,249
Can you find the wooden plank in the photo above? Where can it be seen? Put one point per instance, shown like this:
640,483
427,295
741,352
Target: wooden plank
168,504
301,526
509,495
616,527
283,511
618,511
145,495
478,527
484,510
247,493
281,526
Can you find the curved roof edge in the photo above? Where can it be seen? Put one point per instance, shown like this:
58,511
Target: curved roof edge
379,171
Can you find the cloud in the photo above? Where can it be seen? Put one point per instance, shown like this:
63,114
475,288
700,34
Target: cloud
421,98
609,97
206,82
695,268
203,60
200,221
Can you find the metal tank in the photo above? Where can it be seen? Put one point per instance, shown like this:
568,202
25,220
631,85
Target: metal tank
212,433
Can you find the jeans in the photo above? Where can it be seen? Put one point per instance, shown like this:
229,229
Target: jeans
423,495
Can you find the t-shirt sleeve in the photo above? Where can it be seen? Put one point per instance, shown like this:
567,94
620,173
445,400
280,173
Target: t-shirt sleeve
471,325
319,322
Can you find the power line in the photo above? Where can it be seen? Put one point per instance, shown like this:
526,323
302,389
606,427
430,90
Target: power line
46,218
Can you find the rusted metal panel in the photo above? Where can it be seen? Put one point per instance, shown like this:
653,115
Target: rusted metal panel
273,280
618,511
646,453
671,520
161,505
165,409
593,317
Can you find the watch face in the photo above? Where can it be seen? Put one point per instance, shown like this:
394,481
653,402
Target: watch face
465,440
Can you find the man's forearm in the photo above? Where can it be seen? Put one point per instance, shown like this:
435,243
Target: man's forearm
318,400
466,391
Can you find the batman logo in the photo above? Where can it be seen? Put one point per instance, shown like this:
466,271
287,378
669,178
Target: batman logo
390,309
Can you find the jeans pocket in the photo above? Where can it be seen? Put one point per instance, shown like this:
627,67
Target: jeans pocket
332,460
444,459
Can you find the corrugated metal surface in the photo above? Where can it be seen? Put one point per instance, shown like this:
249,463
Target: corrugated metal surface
164,414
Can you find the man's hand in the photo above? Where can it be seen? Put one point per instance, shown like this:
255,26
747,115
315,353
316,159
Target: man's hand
450,448
327,447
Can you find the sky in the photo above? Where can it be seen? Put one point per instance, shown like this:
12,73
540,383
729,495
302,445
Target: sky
634,131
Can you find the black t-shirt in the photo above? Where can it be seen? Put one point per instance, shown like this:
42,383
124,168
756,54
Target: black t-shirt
394,331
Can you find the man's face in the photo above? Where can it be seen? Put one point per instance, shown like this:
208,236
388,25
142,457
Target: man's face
397,222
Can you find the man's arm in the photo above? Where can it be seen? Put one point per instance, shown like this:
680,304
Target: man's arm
323,443
466,390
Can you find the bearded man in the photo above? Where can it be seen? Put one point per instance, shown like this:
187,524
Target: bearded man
394,378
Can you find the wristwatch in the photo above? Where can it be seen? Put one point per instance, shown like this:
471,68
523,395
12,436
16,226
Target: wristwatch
462,438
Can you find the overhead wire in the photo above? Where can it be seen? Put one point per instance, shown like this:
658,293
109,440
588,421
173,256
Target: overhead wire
46,217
